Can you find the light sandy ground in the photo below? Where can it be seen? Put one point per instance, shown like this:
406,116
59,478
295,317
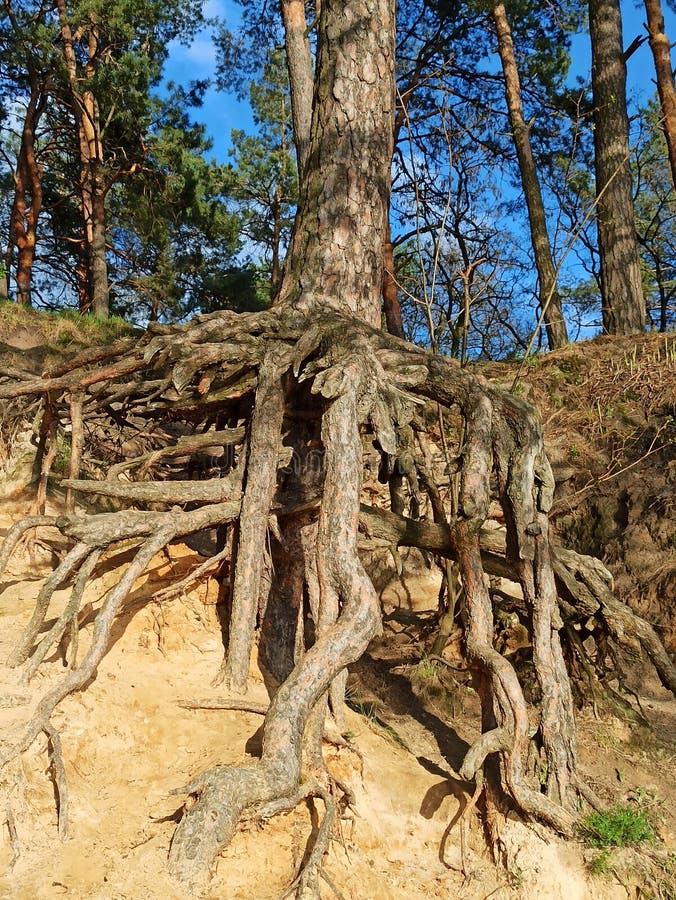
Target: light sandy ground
127,744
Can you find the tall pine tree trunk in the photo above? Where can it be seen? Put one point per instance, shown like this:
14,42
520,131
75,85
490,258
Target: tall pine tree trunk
301,78
623,304
549,299
661,49
27,200
92,184
336,255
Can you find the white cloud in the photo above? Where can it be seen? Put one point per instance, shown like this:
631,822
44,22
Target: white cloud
218,8
201,51
199,57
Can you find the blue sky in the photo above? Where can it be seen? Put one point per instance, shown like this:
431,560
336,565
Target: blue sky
222,112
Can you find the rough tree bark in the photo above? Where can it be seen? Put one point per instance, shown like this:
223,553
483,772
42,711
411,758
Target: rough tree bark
661,50
549,298
623,304
335,259
301,79
309,380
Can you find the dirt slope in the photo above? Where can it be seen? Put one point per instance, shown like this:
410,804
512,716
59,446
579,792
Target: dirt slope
609,412
128,742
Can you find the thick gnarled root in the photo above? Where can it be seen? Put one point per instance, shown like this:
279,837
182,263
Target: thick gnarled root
224,795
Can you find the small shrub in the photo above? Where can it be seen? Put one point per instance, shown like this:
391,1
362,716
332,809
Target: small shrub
426,670
601,864
61,462
620,826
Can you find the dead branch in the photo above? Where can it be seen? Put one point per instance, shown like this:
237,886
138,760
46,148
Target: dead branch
196,575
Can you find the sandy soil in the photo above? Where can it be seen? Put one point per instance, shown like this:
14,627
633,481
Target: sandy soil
128,743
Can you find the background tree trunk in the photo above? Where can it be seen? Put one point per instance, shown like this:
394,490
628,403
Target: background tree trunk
27,200
98,267
391,305
92,185
550,301
301,76
623,304
661,49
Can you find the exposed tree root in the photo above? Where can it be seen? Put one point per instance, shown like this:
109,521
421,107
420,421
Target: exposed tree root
582,582
100,640
296,395
9,821
223,795
461,818
101,530
587,583
59,775
67,617
306,883
16,532
261,481
70,563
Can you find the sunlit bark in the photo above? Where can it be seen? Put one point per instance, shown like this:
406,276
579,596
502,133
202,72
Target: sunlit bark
623,304
92,183
661,49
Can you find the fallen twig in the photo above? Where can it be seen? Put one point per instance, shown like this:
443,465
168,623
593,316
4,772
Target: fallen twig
225,703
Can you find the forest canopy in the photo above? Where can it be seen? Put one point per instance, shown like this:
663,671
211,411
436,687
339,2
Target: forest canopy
114,201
